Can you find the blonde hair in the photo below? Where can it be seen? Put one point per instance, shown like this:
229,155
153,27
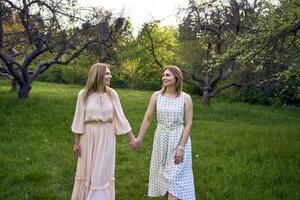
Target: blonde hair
95,81
178,79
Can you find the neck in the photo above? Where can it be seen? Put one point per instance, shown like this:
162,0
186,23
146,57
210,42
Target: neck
100,89
171,90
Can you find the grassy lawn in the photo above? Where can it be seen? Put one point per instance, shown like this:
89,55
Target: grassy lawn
240,151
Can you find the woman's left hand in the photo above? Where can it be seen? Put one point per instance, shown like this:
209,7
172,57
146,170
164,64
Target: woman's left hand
77,150
136,144
178,158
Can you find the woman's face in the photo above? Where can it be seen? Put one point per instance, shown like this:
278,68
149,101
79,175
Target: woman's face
107,77
168,78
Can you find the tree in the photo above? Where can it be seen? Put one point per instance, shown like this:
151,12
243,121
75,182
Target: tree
160,47
155,47
218,25
274,53
129,71
48,32
240,37
109,31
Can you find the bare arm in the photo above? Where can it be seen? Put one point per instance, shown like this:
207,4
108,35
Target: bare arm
76,148
77,139
148,117
131,136
188,118
146,121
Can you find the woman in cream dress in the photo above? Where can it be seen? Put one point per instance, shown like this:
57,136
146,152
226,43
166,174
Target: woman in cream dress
98,118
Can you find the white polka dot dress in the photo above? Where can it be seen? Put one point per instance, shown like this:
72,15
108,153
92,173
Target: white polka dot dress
165,176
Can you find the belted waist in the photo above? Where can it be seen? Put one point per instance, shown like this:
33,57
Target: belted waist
170,127
97,122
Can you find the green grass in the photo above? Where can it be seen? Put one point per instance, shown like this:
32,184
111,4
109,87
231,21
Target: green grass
240,151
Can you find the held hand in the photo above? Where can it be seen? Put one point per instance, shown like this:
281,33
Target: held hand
77,150
136,144
178,158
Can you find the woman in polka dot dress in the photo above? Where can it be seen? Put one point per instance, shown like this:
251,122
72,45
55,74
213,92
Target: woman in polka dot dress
171,172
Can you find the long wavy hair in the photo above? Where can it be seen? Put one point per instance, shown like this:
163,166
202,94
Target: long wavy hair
178,79
95,81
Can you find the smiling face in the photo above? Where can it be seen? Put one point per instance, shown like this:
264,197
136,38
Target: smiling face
107,77
172,77
168,78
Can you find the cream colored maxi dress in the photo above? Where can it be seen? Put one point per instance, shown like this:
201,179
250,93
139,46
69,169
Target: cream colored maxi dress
97,121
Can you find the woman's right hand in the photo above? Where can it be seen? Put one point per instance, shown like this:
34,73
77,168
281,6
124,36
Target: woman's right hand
77,150
136,144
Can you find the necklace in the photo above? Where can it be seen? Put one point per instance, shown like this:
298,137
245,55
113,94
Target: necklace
101,98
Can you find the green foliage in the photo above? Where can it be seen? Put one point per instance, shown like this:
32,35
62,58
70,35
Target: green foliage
165,42
129,72
237,37
288,92
277,85
54,74
73,73
272,55
193,55
144,72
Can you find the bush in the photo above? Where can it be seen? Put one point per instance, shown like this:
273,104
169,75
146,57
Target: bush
73,73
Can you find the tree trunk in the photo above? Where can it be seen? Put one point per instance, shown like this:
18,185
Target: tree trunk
206,91
14,85
23,92
206,98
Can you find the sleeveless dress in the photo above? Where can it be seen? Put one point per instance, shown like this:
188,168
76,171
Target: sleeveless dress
165,176
97,121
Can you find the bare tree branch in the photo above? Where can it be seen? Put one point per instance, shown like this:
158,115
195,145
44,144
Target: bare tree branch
9,67
45,65
234,84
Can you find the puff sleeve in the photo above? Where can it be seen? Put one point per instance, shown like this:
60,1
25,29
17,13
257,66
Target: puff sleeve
79,115
120,122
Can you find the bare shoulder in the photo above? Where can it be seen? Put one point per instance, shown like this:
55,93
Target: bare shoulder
187,98
154,96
